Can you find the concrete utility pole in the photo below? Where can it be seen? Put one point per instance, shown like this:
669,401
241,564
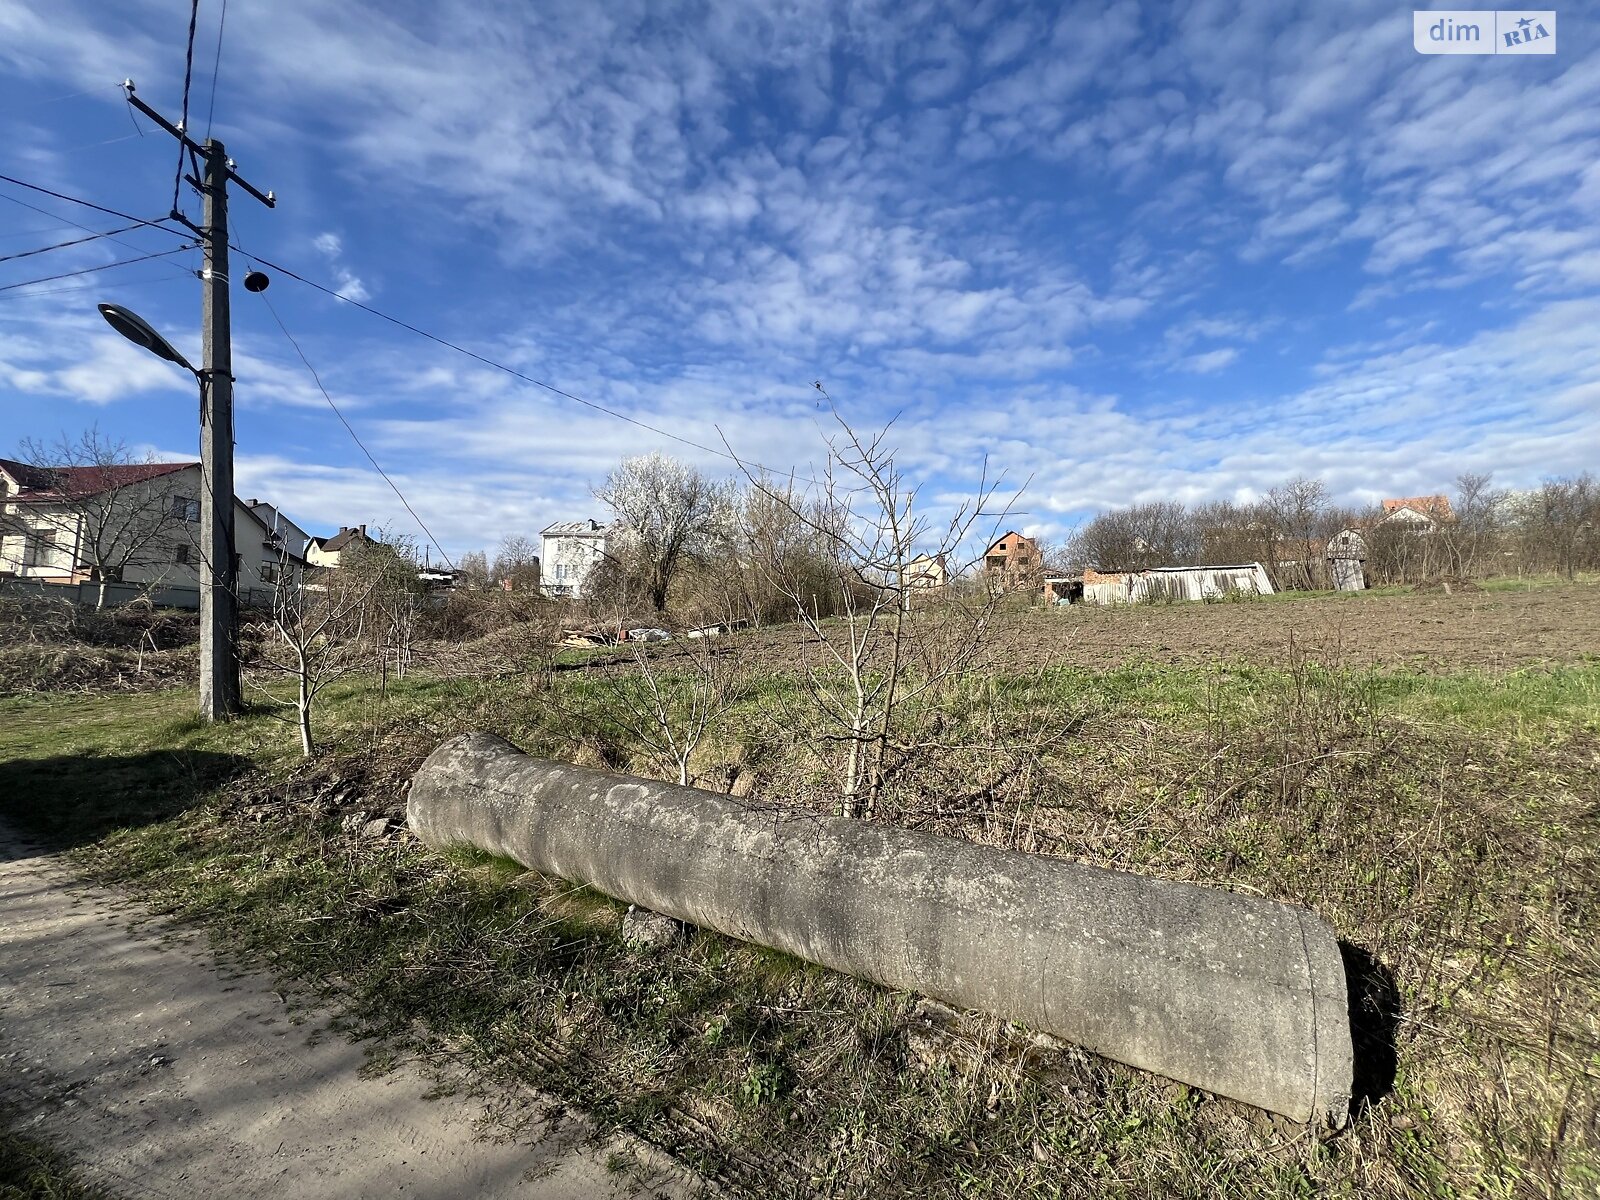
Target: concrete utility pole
219,595
219,612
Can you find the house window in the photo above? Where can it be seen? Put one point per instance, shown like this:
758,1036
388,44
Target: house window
180,554
41,547
185,509
269,573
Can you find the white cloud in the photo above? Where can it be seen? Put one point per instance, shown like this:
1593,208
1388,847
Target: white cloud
689,213
349,285
98,368
1210,361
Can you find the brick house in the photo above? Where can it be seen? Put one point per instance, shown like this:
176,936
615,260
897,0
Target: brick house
1012,562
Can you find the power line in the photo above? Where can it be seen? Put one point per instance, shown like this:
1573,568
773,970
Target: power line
216,64
104,285
121,262
499,366
354,436
73,242
110,212
183,121
80,225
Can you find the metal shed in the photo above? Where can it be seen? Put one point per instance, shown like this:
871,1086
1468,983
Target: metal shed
1165,584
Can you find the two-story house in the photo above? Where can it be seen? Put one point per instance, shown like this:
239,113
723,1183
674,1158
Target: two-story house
328,552
293,538
570,549
135,523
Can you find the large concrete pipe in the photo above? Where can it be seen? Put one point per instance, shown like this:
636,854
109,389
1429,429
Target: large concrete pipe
1234,994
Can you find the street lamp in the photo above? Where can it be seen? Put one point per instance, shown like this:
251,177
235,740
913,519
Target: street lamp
219,645
141,333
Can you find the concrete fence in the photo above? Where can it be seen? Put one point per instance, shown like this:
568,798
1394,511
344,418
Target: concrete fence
87,594
1234,994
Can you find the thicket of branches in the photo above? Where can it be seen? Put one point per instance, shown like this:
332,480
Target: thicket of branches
1489,531
715,550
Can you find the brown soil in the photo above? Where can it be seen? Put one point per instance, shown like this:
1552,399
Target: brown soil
1420,631
1431,632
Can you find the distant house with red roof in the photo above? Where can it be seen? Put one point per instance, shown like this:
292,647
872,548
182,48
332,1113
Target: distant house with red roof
1402,524
1419,510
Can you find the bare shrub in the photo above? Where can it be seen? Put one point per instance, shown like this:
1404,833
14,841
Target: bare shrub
890,649
321,635
670,705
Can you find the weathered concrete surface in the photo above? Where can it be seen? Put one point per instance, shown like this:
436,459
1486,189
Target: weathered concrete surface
128,1049
1237,995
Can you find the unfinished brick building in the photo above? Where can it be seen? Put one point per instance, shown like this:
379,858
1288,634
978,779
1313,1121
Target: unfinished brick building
1013,562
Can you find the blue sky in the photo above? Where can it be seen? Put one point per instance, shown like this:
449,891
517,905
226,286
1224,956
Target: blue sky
1128,250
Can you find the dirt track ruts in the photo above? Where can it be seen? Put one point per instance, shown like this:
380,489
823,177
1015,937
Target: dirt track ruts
162,1075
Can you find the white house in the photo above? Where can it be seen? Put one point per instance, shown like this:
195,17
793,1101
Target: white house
570,549
329,551
1419,512
294,538
135,523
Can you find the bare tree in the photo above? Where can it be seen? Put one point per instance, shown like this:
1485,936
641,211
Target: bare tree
1061,554
385,572
516,564
665,509
472,571
1476,528
1565,515
93,507
1157,533
671,711
320,635
764,523
886,653
1297,511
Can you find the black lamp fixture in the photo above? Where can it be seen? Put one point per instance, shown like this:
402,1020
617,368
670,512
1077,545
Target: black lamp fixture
140,332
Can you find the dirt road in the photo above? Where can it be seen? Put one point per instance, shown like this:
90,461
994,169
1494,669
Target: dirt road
127,1047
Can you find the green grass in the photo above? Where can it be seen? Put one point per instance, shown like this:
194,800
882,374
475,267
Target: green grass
1499,583
1528,583
31,1170
1444,824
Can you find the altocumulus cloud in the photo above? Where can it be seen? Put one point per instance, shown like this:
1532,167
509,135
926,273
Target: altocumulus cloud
1076,243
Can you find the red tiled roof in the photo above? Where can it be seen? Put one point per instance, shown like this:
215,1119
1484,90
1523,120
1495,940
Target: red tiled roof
1437,507
78,482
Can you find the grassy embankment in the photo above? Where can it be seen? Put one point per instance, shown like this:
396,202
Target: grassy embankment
1446,825
29,1170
